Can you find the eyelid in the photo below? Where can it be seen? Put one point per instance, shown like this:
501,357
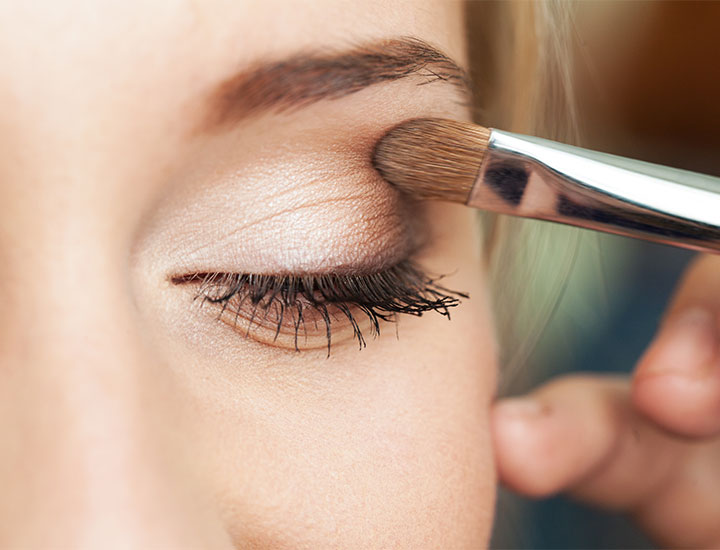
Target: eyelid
365,231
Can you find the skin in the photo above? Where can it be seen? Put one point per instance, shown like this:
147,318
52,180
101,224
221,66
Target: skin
130,418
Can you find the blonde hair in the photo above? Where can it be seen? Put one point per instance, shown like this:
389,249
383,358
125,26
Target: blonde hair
521,53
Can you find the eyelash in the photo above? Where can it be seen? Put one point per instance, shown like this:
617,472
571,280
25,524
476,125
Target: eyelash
401,289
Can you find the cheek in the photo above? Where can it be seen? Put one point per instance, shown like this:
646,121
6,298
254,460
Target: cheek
397,456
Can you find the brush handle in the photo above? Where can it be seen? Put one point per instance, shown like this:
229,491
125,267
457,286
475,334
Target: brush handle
538,178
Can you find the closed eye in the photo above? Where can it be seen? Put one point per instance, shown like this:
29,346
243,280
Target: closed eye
301,311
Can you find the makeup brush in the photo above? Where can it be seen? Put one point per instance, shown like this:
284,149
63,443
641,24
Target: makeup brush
537,178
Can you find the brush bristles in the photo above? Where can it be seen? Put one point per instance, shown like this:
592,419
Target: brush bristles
432,158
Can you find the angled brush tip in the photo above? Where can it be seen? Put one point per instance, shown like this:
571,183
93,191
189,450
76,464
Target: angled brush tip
432,158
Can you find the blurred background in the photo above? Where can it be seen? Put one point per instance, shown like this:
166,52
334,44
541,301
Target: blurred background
646,80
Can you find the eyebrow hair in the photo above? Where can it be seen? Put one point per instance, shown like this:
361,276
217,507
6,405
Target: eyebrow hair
306,78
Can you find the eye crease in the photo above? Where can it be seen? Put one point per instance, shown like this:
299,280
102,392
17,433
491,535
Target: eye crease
308,306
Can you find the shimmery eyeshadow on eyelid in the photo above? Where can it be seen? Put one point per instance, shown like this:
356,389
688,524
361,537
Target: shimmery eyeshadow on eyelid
315,241
360,232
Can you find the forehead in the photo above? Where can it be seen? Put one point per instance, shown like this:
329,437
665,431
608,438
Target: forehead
78,52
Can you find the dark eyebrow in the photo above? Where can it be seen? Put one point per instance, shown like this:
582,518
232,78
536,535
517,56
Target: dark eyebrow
303,79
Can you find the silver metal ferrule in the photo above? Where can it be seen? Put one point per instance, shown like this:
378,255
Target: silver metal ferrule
537,178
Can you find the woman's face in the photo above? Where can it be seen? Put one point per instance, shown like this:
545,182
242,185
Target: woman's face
152,155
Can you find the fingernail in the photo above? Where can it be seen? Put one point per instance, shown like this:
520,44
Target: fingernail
521,407
687,343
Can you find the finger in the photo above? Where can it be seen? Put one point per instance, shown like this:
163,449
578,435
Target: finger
581,434
677,381
564,432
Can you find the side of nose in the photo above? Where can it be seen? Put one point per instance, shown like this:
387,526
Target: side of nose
92,451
